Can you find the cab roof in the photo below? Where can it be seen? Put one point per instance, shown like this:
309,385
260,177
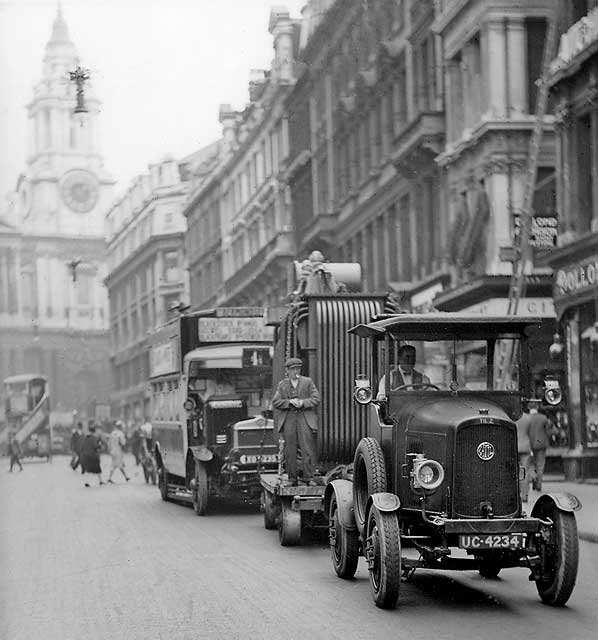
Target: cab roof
446,325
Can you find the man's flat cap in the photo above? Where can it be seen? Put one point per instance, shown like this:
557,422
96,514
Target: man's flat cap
293,362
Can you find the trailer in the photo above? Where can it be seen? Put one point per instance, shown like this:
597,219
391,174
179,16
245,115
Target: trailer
315,327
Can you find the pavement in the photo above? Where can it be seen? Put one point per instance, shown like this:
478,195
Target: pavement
587,492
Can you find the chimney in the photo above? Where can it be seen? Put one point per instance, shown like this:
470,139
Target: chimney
228,119
257,82
281,28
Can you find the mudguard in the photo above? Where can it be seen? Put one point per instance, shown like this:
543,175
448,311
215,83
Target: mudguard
384,501
343,490
563,501
201,453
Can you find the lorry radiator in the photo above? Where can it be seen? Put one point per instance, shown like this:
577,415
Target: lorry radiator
343,355
477,481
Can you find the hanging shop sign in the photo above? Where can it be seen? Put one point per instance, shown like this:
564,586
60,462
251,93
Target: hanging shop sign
577,278
543,234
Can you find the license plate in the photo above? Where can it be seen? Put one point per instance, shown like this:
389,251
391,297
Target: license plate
494,541
250,459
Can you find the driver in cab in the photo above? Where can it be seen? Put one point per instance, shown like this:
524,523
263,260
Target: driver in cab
404,374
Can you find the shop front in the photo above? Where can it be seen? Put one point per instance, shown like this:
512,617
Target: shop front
575,267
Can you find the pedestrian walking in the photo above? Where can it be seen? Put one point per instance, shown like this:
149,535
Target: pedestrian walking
76,442
146,434
136,444
116,443
15,452
294,404
539,429
524,450
90,455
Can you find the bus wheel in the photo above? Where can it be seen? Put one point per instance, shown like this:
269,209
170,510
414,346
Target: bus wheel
289,526
200,489
163,483
383,554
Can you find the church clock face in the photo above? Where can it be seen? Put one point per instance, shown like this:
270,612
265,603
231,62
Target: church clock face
79,190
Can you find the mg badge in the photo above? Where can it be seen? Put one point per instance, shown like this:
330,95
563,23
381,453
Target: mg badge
485,451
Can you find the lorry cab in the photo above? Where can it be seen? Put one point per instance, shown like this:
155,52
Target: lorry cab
438,469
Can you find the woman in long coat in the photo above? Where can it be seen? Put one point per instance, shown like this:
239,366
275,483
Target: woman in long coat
90,455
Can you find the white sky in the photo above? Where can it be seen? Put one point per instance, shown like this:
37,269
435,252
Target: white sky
160,67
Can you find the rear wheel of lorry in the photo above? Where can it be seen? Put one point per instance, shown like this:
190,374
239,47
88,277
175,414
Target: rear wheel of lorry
270,510
369,476
289,526
562,552
163,483
383,554
200,489
344,544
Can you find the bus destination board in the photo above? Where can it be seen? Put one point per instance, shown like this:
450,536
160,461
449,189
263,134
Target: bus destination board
234,330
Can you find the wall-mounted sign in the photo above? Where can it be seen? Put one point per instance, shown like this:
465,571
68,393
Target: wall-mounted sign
239,312
163,358
544,231
225,404
576,278
234,330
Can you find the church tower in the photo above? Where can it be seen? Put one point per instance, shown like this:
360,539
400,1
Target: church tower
53,302
65,189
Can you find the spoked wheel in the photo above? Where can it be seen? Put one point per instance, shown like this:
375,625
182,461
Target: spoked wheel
562,556
163,483
369,476
200,489
270,510
344,544
383,554
289,526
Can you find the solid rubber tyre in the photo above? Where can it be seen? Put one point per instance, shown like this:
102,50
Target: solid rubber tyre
384,557
270,510
344,544
200,490
289,526
369,476
163,484
563,549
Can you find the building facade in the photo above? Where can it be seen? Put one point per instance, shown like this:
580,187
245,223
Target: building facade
574,87
53,305
240,242
147,277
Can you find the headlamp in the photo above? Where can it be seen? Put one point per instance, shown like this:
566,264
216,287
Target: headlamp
363,391
426,474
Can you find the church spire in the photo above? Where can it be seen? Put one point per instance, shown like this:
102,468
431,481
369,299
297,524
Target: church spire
60,32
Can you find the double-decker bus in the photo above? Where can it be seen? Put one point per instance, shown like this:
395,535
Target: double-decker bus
211,381
27,414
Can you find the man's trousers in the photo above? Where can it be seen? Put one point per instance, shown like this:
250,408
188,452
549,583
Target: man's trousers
296,431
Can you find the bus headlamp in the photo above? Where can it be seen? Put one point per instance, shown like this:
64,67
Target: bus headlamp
362,391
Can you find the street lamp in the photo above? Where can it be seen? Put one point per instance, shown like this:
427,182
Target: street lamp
72,265
79,76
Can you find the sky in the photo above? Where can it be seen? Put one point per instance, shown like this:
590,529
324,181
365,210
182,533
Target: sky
160,67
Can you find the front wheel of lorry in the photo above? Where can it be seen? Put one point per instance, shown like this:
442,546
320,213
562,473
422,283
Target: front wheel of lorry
383,555
369,476
200,489
344,544
562,551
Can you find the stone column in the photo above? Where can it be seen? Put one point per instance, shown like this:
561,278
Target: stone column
495,67
517,67
594,160
499,233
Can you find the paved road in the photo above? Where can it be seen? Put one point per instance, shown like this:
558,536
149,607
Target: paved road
115,562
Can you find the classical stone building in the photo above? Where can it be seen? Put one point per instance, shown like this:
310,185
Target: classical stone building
147,274
574,88
240,241
492,56
53,305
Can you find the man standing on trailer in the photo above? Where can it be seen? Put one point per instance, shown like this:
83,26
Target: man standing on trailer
295,415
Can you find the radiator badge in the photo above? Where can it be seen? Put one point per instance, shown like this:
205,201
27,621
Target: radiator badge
485,451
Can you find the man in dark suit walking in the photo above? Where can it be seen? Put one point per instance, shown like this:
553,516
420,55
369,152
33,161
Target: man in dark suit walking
294,404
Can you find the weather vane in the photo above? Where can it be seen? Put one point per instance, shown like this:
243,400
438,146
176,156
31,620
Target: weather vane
79,76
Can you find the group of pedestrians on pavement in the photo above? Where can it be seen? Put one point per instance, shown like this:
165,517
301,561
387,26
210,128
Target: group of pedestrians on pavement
534,431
